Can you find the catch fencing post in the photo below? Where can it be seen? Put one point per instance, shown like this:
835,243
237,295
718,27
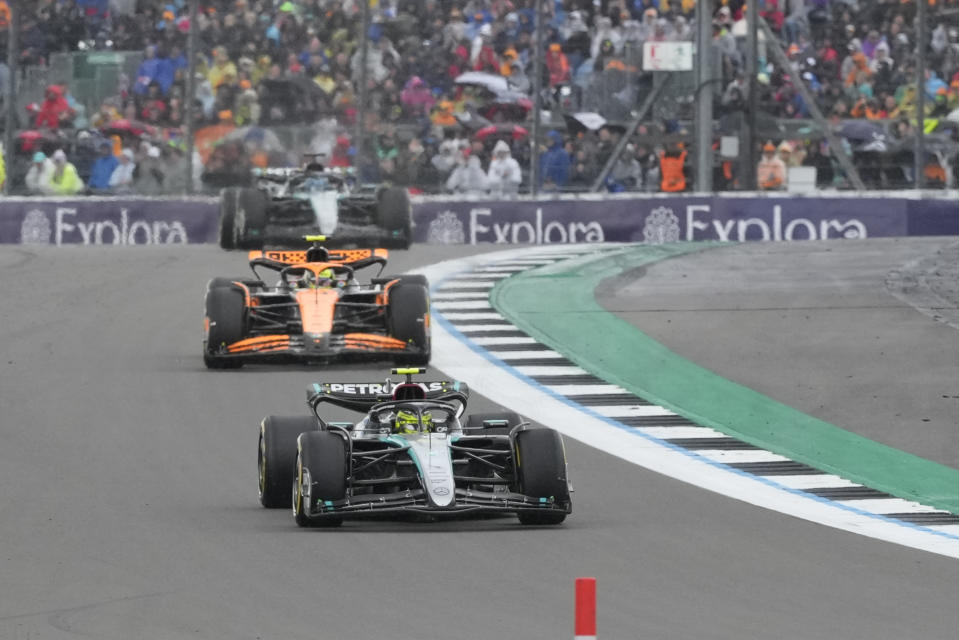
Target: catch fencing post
585,628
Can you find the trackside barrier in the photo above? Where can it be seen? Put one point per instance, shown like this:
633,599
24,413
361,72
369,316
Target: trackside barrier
654,219
585,626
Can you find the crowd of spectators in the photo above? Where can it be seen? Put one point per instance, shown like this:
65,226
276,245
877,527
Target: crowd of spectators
283,63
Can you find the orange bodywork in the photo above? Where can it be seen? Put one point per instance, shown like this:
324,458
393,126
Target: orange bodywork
261,344
317,307
372,342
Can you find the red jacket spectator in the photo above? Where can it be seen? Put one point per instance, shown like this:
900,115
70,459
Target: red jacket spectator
341,153
54,109
486,60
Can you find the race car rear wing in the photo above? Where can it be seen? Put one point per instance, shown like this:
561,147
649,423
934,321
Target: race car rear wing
356,258
362,396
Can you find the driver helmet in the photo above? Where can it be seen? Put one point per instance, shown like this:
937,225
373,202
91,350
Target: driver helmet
301,281
325,278
406,422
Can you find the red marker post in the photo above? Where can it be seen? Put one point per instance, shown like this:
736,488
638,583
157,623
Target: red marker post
585,609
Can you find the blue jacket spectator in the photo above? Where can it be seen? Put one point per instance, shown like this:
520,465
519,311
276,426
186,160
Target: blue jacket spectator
153,69
103,168
555,161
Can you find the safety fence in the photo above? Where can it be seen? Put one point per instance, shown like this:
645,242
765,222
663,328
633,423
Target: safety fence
651,219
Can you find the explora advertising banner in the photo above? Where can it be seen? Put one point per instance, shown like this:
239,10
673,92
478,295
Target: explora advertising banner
658,220
654,220
107,221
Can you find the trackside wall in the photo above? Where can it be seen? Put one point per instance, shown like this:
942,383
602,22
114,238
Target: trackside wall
652,219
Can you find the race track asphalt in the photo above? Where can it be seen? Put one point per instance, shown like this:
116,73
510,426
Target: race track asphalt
128,505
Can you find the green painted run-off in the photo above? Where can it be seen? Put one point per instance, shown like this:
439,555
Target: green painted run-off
556,305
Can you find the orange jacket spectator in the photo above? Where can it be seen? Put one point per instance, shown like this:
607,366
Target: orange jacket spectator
509,57
860,69
443,114
558,65
671,169
868,109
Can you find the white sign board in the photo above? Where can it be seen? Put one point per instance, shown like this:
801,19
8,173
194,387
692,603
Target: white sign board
668,56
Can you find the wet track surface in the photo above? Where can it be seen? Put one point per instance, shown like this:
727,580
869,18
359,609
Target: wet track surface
129,499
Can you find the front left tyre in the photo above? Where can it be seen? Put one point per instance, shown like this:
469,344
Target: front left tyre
225,317
276,457
320,477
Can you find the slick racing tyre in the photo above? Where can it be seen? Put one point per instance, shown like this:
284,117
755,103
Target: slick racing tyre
276,457
320,475
225,310
228,202
409,307
541,473
393,213
242,218
474,423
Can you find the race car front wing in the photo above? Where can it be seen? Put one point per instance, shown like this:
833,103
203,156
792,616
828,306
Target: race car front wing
466,501
319,346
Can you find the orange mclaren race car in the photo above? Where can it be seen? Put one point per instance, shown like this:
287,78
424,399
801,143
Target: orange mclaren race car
316,311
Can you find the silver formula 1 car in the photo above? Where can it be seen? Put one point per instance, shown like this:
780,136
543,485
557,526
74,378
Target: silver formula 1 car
412,452
284,204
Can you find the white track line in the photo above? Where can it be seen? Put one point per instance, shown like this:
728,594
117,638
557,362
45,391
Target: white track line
453,316
740,457
507,356
673,433
814,481
586,389
889,505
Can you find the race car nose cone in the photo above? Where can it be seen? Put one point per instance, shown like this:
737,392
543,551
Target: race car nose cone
318,342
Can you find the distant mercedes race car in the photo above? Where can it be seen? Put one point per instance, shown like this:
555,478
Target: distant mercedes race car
412,453
316,311
286,204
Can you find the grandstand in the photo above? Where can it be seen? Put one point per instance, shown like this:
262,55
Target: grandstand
276,78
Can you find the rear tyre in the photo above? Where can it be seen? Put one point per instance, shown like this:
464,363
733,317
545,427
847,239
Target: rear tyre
474,423
249,218
320,464
225,309
541,473
409,313
276,456
228,202
393,213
